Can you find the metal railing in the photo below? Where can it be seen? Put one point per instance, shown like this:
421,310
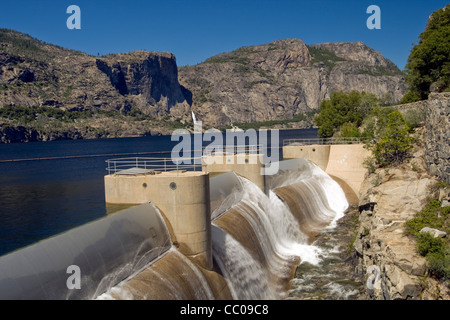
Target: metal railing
247,149
151,165
323,141
140,165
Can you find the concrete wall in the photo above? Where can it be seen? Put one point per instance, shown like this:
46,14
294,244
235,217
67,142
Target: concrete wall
318,154
344,161
183,199
248,166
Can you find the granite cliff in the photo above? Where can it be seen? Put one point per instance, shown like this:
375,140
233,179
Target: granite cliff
385,254
48,92
34,73
284,78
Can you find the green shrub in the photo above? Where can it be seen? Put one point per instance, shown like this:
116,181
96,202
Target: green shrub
439,264
436,253
429,60
409,97
435,250
348,130
432,216
370,164
342,108
395,143
426,244
414,118
366,231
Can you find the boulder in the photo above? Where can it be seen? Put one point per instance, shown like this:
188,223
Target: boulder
434,232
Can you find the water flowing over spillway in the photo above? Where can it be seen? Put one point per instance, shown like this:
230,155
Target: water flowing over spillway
106,251
258,240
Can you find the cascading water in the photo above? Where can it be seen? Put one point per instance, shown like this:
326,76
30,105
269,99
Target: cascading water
258,240
264,237
172,277
105,252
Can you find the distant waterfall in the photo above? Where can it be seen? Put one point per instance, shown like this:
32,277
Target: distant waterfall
194,119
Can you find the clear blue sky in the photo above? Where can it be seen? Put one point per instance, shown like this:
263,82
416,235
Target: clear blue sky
194,30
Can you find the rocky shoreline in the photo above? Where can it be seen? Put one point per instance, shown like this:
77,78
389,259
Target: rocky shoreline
384,256
23,133
368,255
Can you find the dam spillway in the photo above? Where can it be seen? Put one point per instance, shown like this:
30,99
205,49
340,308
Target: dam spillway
257,238
106,251
256,242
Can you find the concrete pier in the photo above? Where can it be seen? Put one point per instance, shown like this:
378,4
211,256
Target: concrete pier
344,161
183,199
249,166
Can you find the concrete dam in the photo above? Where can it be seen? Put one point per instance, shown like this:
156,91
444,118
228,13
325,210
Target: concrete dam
223,232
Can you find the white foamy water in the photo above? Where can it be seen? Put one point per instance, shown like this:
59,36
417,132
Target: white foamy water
252,273
246,278
277,230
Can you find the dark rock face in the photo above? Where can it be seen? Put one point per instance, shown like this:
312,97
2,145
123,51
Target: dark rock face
76,81
437,136
154,76
115,74
17,134
26,76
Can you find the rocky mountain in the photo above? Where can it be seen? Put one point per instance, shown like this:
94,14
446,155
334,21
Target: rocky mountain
284,78
49,92
34,73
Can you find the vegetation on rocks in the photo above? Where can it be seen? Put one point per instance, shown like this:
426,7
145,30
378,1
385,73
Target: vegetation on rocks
359,115
435,250
19,124
324,56
271,123
429,61
344,110
395,142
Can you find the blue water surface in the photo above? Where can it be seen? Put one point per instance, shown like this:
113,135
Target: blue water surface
54,186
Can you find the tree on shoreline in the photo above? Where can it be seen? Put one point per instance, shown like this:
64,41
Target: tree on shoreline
428,64
395,142
344,109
